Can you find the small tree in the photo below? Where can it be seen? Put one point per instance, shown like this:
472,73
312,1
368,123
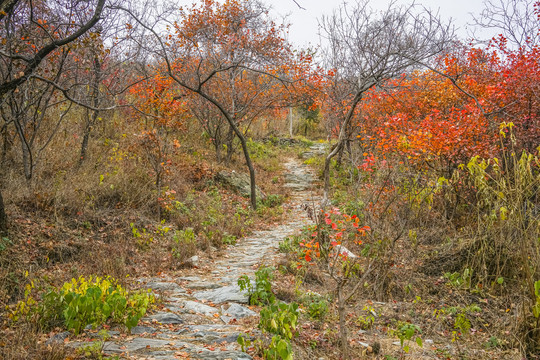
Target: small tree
31,33
368,48
233,56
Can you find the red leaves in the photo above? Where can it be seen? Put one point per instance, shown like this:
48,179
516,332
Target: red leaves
336,229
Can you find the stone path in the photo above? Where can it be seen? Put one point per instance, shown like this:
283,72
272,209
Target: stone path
202,312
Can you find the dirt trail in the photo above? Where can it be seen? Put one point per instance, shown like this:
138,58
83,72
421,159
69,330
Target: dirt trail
203,310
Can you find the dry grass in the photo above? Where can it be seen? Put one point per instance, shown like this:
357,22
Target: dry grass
72,220
27,343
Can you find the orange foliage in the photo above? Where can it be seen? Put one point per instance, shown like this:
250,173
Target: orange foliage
426,117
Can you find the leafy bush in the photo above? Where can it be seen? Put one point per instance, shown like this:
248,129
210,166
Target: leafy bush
290,244
184,244
406,333
228,239
272,200
277,318
317,305
281,320
143,238
260,293
82,302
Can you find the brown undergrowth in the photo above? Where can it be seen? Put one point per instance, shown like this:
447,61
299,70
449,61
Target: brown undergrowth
100,219
450,273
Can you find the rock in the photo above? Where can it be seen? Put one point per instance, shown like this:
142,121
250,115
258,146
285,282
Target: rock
231,293
342,250
207,338
164,286
192,261
238,182
142,330
205,354
166,318
210,327
212,337
231,338
198,308
203,286
189,278
58,338
225,319
238,311
134,345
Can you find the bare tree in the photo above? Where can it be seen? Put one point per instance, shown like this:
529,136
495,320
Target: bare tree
32,31
516,20
367,48
24,17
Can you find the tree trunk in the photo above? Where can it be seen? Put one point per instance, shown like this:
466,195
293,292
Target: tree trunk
290,123
230,145
3,217
342,323
27,161
235,130
217,146
339,160
251,172
84,144
158,186
91,120
339,145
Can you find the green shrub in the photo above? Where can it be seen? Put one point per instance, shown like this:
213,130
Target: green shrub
316,305
290,244
406,333
228,239
260,293
184,244
272,200
281,320
82,302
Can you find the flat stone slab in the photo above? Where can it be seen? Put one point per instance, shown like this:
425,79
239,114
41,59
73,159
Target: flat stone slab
211,327
231,293
200,353
166,318
58,338
142,330
134,345
205,354
165,286
238,311
203,286
198,308
212,337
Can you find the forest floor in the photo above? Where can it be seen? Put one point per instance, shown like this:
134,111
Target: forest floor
201,309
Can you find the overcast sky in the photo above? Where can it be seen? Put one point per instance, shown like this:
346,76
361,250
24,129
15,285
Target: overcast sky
304,26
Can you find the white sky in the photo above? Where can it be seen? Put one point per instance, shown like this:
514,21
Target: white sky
304,23
304,26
